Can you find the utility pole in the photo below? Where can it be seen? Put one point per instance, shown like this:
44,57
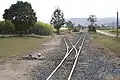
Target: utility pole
117,24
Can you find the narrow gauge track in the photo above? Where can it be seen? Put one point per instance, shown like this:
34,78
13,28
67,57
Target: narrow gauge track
69,48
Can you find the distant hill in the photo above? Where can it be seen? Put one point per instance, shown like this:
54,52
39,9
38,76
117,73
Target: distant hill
111,21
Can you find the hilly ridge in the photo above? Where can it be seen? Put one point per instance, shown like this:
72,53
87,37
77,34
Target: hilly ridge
111,21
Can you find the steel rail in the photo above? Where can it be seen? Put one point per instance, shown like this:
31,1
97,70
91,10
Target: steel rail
67,54
77,56
67,47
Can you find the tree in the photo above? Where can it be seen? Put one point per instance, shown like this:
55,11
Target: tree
79,26
102,26
70,24
92,19
6,27
57,19
97,27
22,15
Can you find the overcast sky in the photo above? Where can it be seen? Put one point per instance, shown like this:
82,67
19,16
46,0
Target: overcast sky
70,8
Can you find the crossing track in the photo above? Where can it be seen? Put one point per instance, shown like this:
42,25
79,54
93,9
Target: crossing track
69,48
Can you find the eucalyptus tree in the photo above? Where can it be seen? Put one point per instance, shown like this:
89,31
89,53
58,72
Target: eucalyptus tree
57,19
92,19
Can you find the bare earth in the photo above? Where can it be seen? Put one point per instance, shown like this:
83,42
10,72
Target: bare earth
17,69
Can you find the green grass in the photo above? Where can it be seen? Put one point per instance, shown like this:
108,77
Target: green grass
16,46
111,43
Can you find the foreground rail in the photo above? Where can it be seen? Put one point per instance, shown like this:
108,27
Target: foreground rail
68,53
76,59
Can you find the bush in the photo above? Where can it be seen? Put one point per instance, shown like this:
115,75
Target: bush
114,31
75,30
103,28
91,28
6,27
43,29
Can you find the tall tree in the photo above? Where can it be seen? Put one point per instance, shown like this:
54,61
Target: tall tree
22,15
92,19
57,19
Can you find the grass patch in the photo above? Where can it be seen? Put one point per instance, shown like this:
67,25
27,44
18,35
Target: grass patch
111,43
113,31
16,46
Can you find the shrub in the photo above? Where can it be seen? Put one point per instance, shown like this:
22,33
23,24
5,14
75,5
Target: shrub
6,27
43,29
114,31
75,30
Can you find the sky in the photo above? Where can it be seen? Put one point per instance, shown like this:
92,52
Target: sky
71,8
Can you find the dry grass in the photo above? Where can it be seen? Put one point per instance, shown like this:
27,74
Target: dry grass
112,31
14,46
111,43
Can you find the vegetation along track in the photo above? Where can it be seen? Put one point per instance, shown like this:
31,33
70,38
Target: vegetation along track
70,47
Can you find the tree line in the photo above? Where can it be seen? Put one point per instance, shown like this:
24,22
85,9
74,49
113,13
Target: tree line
20,18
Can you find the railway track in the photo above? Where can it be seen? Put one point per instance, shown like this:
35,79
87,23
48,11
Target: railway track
70,46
